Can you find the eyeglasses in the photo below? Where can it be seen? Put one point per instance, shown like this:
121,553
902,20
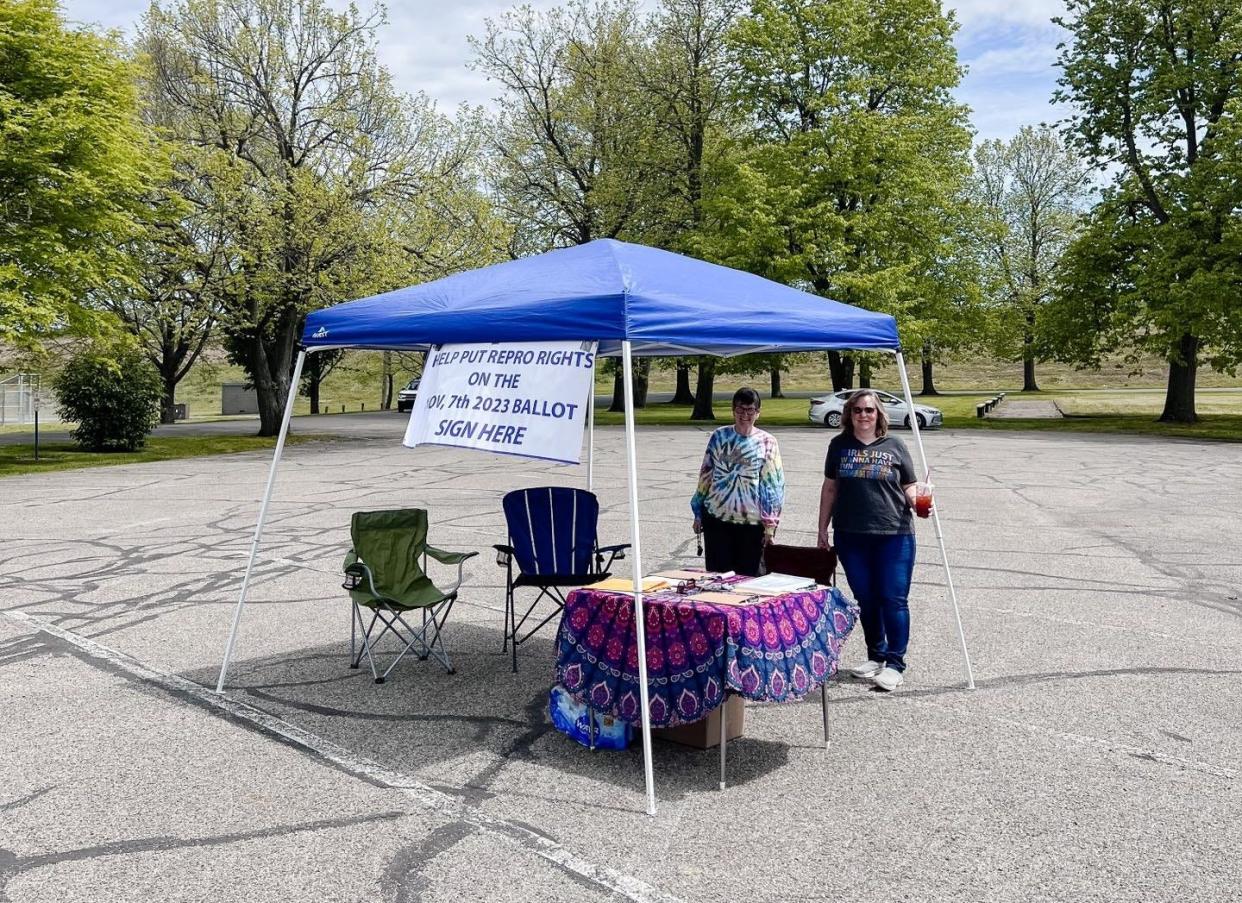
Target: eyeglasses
862,410
746,412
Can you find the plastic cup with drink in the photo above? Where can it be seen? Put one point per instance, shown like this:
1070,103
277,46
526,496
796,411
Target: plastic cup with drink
923,499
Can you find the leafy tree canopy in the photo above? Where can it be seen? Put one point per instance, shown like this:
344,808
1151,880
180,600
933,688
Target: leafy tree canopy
75,166
1157,90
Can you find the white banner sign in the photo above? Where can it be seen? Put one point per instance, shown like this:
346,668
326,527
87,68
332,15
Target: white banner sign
526,400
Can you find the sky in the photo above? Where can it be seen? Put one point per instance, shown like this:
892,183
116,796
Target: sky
1008,46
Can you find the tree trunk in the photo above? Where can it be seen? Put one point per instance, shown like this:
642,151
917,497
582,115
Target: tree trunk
776,382
1028,355
312,390
841,368
618,389
271,394
683,395
1179,399
864,374
703,390
929,383
386,385
168,413
642,381
271,370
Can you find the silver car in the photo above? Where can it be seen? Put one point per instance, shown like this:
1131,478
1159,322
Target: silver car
829,409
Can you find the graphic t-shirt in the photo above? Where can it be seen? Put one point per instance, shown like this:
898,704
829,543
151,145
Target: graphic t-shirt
741,480
869,480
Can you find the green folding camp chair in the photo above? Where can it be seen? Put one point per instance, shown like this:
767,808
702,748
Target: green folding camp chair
386,571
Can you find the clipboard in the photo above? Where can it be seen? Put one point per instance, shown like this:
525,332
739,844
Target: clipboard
683,575
626,585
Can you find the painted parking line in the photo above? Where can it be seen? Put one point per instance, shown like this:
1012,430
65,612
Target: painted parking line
606,878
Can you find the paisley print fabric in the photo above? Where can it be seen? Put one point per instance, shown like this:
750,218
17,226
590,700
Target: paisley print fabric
777,650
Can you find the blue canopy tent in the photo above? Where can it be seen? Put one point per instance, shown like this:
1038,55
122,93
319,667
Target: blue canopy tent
632,300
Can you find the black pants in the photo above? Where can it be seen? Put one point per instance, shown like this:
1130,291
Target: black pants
732,547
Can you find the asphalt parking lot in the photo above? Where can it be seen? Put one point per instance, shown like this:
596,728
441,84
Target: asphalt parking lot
1098,758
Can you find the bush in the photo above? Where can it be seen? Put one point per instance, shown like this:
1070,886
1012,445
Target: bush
114,399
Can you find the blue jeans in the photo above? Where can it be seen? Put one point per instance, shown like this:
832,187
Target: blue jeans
879,568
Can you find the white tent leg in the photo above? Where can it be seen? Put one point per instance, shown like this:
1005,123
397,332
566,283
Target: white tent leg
258,530
944,555
631,455
591,437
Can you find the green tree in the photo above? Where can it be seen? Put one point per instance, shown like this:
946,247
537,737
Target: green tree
1158,268
571,145
851,179
575,145
171,307
322,178
1032,191
112,395
689,78
75,169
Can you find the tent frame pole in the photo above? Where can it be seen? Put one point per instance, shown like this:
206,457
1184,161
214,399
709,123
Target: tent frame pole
591,435
944,555
258,529
631,455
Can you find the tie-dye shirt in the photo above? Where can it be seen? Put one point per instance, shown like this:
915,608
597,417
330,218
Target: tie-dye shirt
741,480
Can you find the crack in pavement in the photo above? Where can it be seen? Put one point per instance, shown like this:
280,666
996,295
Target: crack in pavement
427,797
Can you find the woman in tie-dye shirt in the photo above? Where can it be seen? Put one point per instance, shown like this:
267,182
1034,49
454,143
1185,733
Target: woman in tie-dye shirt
737,504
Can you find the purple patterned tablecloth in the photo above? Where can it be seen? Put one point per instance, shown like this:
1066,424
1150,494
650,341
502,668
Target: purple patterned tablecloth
777,649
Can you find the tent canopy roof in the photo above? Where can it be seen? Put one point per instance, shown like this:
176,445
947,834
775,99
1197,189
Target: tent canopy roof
606,291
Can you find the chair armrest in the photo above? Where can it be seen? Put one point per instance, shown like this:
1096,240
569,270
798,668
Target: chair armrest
614,554
457,558
449,557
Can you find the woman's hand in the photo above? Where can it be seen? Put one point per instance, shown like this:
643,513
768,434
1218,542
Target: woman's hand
825,541
698,526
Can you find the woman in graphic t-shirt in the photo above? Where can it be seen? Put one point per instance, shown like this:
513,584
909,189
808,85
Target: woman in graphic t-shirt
867,497
737,503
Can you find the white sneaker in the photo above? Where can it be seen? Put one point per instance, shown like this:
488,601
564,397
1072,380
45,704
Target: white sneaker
867,669
888,679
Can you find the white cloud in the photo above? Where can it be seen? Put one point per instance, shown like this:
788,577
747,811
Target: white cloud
974,14
1019,60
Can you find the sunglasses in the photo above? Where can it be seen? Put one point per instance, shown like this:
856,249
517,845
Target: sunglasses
862,410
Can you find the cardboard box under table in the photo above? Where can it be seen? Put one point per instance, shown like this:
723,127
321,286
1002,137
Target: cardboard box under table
705,733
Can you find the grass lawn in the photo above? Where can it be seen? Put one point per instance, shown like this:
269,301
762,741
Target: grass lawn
19,459
1087,411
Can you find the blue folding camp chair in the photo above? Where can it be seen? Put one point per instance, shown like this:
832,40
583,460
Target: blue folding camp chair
553,542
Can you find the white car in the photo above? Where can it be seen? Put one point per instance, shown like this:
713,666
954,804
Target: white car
828,410
405,398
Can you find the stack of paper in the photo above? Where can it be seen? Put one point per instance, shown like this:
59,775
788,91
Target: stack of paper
773,584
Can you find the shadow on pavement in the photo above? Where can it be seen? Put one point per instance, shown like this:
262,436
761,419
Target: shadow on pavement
422,719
